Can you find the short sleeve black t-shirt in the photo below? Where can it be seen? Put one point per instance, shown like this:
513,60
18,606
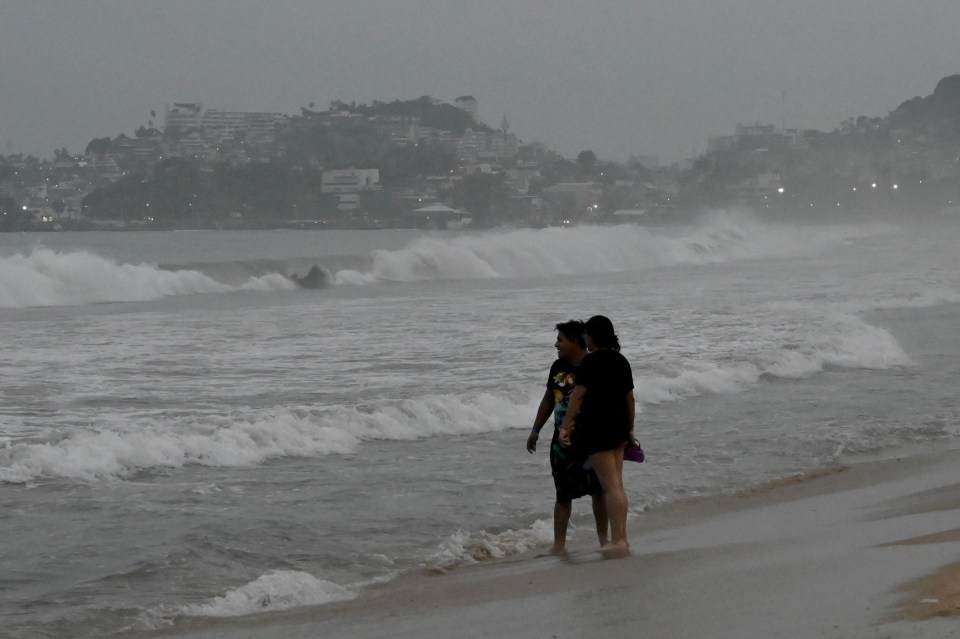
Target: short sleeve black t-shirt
607,376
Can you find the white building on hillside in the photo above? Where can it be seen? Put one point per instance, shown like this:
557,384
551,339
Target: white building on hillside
350,180
184,115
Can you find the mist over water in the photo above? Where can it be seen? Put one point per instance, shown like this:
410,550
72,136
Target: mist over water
246,445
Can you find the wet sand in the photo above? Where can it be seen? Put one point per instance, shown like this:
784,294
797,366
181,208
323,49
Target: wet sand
870,550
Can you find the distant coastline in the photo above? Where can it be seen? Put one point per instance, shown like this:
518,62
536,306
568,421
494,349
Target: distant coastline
428,164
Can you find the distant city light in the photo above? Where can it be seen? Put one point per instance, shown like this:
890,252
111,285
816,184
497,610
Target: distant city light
780,190
896,186
874,185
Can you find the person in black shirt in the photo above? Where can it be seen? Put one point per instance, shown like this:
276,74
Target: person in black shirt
599,422
569,477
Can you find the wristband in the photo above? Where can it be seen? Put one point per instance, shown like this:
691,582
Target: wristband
535,430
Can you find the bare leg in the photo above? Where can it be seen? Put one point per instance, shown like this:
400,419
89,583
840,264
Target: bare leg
561,517
600,516
608,465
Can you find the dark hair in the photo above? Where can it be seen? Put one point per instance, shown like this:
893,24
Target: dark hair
573,330
601,331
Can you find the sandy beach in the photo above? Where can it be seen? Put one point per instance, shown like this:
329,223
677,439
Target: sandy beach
869,550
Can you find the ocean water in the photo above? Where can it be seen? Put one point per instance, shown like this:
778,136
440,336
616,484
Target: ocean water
186,434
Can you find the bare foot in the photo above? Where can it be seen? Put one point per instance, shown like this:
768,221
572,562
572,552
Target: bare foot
604,541
615,550
558,549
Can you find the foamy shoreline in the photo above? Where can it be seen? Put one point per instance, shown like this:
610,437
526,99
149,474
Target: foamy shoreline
863,551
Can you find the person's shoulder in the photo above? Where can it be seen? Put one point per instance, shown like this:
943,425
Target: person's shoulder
558,366
591,361
604,354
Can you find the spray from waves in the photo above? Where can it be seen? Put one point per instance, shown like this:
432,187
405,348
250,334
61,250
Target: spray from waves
48,278
834,338
120,450
721,237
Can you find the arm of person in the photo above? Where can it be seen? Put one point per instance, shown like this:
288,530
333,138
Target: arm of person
573,407
631,412
543,414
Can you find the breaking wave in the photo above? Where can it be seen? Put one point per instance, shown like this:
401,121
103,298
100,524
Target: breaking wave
49,278
45,277
721,237
240,440
275,590
474,547
828,338
119,449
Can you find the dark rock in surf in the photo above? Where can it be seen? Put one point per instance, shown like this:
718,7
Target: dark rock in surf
315,278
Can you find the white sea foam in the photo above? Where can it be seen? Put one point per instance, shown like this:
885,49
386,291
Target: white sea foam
827,338
472,547
925,297
275,590
48,278
116,450
721,237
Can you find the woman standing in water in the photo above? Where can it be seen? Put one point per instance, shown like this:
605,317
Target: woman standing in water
602,407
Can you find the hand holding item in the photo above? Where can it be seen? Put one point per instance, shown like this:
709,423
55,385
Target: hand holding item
564,437
633,452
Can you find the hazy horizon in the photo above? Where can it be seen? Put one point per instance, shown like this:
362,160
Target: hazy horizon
616,78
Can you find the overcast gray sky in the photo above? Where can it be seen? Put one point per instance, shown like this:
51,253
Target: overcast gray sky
620,77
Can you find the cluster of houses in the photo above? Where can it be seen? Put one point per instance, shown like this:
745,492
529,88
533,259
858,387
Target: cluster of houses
54,191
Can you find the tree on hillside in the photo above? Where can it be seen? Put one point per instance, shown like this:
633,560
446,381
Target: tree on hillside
98,146
403,164
125,200
357,145
13,217
259,190
178,190
587,162
485,195
937,114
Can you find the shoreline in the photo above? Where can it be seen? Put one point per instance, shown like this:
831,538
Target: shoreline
867,550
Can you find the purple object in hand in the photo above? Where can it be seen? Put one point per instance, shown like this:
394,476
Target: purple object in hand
633,452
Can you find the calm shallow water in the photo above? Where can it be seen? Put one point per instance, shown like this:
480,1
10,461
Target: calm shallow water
185,433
